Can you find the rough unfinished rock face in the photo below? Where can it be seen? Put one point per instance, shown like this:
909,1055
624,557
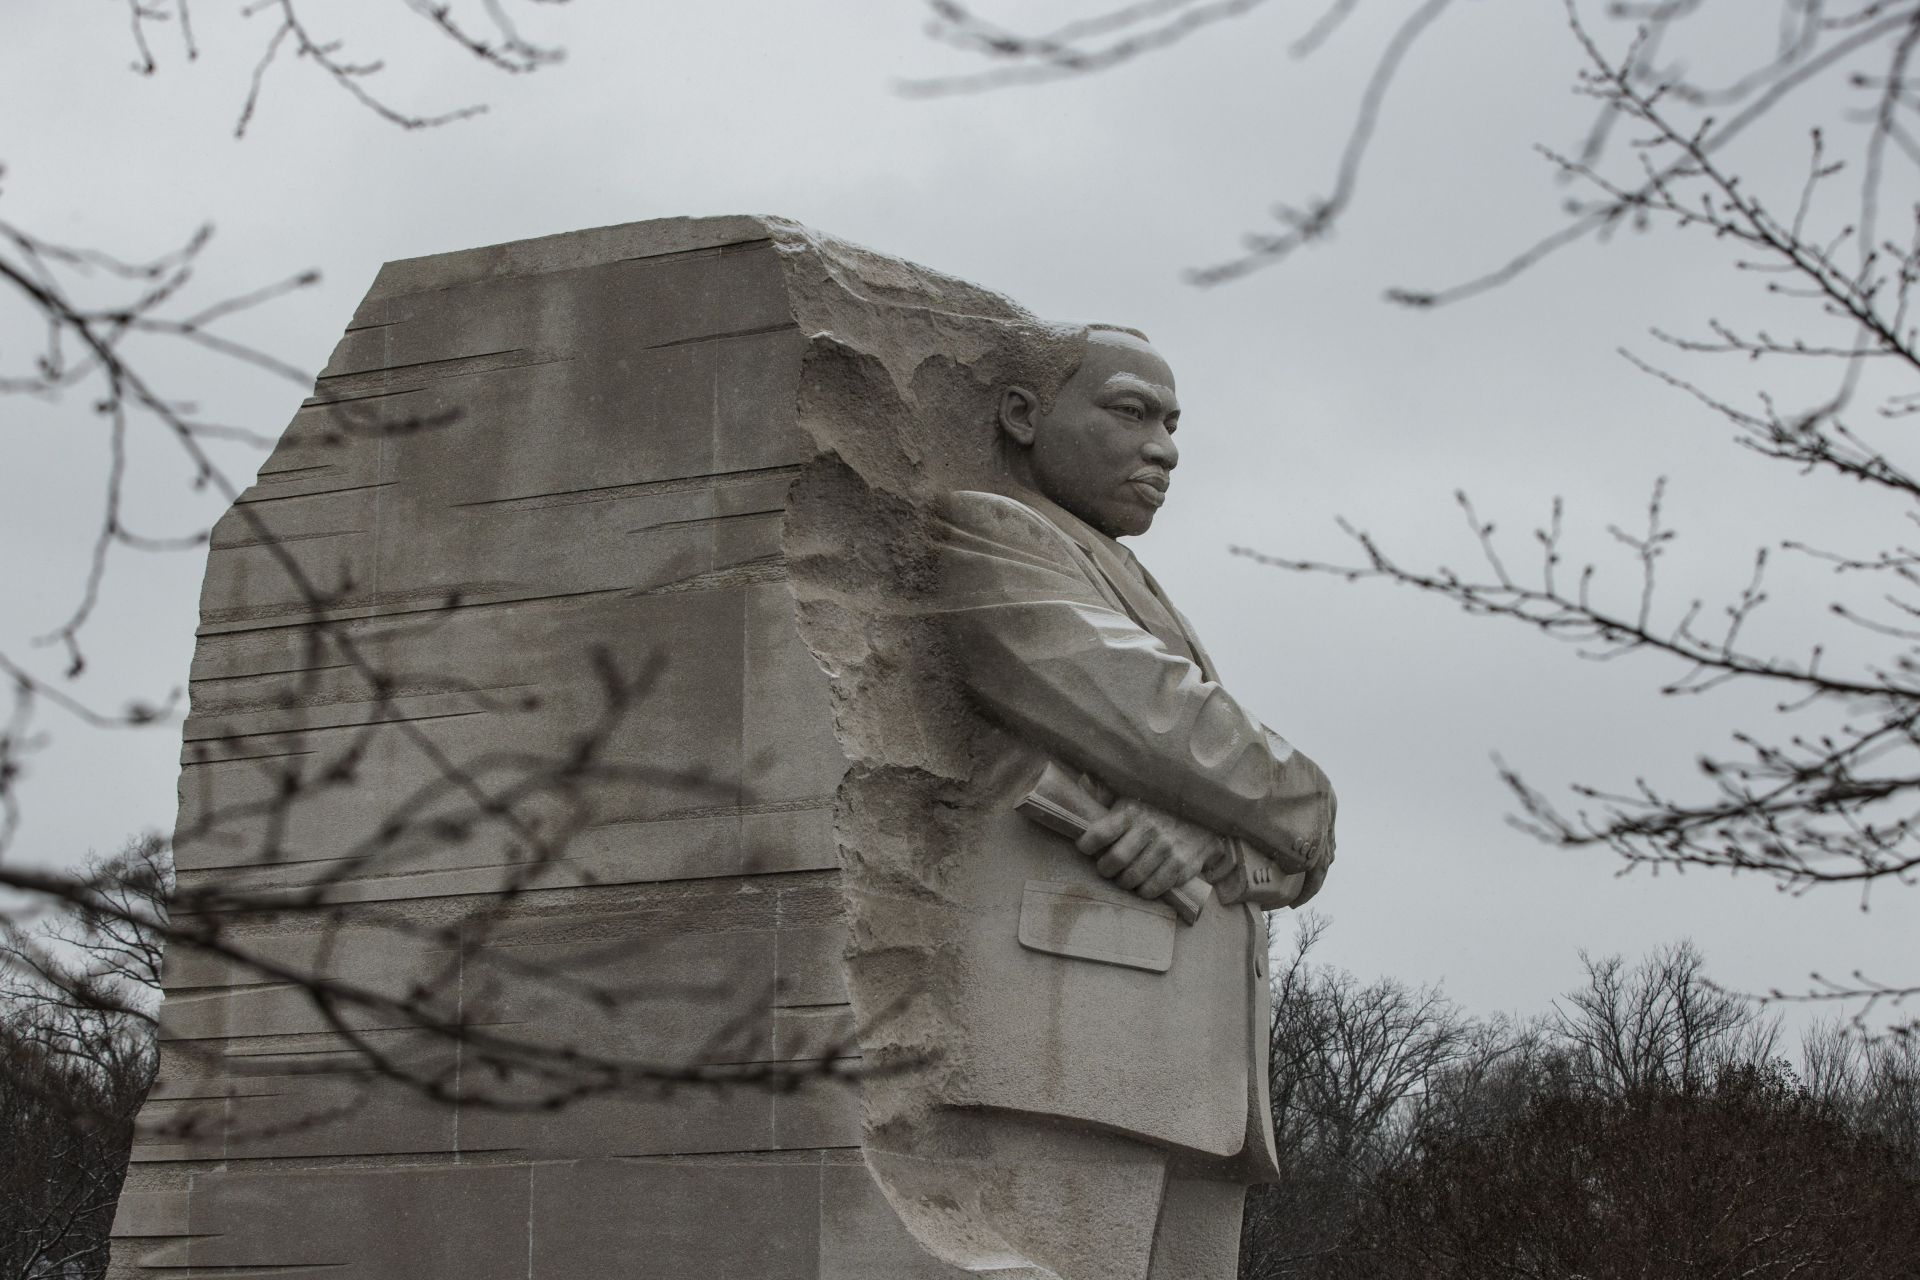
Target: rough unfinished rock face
544,747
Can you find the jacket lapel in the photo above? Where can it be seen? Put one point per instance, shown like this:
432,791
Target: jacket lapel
1126,581
1200,657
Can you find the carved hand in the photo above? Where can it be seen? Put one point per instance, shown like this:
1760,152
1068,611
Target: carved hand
1317,873
1315,878
1148,851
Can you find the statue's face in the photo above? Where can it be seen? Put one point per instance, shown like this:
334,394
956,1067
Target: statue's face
1105,449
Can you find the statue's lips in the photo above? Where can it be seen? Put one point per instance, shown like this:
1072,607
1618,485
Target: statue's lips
1150,485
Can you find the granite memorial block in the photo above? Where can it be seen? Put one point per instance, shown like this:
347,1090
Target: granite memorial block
881,756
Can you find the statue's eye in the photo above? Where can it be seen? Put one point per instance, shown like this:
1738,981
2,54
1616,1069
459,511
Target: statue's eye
1129,409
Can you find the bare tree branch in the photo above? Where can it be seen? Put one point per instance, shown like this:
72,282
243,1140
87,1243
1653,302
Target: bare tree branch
1130,31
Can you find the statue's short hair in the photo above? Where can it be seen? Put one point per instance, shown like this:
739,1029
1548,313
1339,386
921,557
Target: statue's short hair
1127,329
1047,355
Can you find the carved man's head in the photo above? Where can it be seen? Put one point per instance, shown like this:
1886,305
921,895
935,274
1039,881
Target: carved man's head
1102,445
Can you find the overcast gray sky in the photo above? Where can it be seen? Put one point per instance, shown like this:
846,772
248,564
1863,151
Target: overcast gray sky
1306,396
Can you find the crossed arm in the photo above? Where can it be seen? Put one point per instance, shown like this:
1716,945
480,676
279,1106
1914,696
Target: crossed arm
1047,655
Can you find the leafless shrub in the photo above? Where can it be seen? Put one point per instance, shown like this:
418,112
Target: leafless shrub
77,1043
1650,1125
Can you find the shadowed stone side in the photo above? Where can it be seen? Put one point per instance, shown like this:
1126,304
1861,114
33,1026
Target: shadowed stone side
616,423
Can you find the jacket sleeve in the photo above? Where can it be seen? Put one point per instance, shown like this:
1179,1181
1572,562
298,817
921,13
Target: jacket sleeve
1045,654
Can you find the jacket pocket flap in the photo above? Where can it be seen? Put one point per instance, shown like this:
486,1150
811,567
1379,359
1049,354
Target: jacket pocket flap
1064,920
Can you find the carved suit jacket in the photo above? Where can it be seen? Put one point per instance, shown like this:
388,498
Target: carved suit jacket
1074,998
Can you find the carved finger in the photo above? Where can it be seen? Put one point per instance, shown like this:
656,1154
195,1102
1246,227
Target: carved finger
1291,861
1156,855
1311,886
1124,850
1220,861
1170,873
1104,831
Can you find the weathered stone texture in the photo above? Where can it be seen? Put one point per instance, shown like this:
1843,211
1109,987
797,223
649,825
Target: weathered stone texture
522,464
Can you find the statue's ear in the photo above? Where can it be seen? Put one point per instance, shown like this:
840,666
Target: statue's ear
1018,409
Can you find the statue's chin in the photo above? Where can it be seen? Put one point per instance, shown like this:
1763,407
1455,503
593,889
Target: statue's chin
1116,520
1128,524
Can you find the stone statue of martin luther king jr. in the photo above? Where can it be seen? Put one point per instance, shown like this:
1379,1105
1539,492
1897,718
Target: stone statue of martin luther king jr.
1096,1104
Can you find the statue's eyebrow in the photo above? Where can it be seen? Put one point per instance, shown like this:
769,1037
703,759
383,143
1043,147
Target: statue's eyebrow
1162,397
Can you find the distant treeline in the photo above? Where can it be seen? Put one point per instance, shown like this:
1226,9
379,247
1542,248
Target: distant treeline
1650,1126
77,1056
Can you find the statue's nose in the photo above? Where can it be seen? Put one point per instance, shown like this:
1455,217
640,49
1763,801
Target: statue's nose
1161,449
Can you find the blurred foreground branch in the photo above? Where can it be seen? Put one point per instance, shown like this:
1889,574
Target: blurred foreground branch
107,325
1832,254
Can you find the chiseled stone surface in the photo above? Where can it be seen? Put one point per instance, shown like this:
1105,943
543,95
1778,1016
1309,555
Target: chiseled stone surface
617,419
774,480
1075,1071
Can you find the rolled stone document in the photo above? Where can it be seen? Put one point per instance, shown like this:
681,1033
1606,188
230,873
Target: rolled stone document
1059,803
